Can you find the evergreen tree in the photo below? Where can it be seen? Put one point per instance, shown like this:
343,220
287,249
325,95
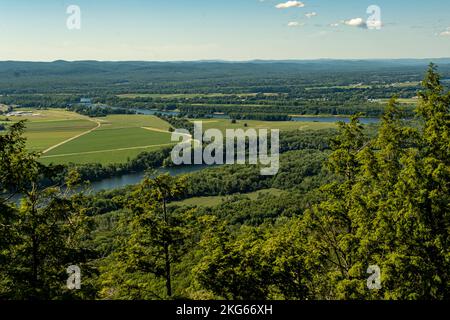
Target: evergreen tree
43,236
391,206
153,240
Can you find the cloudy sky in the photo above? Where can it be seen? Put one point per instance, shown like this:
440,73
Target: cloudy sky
223,29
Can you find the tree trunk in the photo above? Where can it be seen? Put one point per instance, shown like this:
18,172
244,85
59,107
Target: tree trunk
168,276
167,254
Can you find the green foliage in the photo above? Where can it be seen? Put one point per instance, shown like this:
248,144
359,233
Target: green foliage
42,237
257,263
392,207
99,111
377,198
153,240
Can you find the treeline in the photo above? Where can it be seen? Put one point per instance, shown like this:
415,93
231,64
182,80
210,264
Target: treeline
301,108
99,111
260,116
177,122
295,168
40,100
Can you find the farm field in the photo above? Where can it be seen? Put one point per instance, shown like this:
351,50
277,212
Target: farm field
117,139
223,124
369,86
65,137
50,127
216,200
410,101
188,95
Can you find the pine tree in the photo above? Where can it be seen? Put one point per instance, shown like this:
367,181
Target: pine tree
153,240
43,236
391,205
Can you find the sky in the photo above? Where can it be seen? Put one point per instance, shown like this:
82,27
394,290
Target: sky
175,30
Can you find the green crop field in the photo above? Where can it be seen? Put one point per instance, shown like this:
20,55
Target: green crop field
117,139
46,128
43,135
410,101
223,124
65,137
102,156
187,95
132,121
111,139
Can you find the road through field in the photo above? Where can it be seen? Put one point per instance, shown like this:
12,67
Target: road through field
75,137
196,142
111,150
156,129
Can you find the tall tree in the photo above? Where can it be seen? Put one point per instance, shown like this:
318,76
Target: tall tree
391,206
153,241
43,236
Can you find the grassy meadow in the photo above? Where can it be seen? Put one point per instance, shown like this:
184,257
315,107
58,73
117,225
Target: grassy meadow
223,124
216,200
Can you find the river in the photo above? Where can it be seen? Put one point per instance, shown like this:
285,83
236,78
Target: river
129,179
297,119
135,178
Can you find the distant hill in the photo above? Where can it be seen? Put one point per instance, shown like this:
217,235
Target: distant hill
18,76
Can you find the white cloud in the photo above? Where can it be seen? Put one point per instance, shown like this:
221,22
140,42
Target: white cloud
445,33
295,24
290,4
334,25
310,14
356,22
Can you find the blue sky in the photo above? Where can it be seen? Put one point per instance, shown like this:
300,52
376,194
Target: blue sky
223,29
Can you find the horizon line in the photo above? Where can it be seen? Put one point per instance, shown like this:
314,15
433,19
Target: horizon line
230,60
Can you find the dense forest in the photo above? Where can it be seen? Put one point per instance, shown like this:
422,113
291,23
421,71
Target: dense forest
349,199
93,77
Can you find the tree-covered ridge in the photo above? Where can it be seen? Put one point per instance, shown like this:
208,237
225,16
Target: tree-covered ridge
362,200
270,89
